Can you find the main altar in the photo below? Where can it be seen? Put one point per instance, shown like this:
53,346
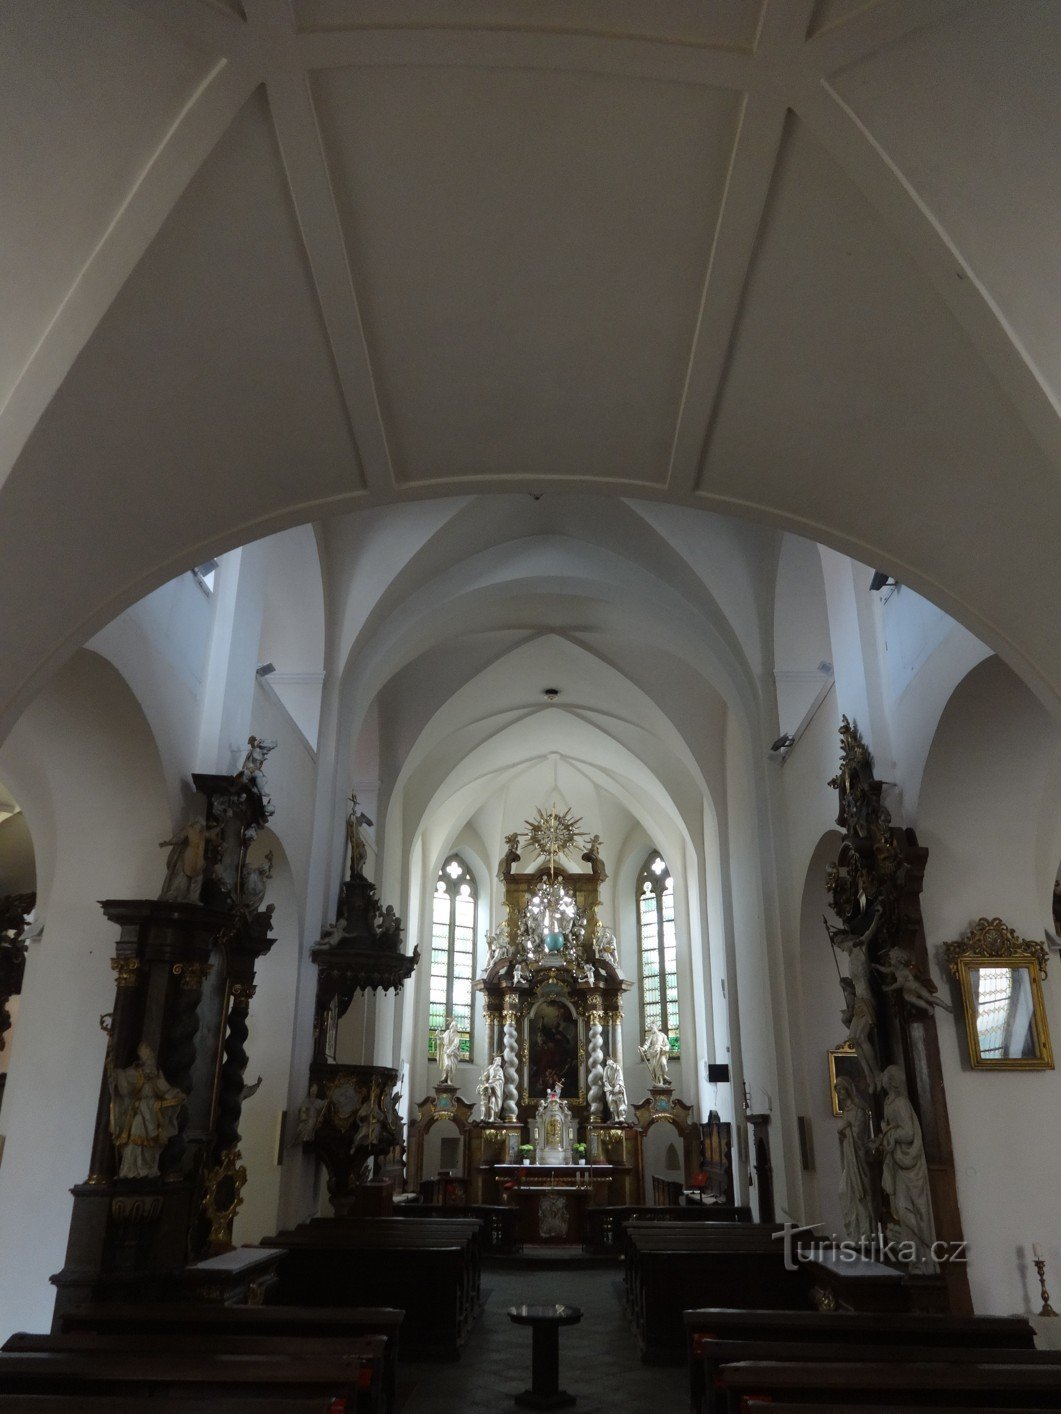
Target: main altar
553,1134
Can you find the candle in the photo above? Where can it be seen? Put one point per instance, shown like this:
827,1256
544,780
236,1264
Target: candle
1037,1252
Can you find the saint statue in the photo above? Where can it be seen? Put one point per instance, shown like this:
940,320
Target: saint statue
504,868
358,849
655,1053
448,1052
595,862
904,1177
252,771
143,1114
492,1090
615,1090
856,1192
186,861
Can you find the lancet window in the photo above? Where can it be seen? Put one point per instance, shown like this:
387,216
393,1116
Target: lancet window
453,919
659,956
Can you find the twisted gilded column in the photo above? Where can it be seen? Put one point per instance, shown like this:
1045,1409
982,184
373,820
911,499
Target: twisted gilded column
180,1053
510,1064
230,1097
595,1060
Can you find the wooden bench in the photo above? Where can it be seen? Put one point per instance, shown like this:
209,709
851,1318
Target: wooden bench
189,1322
669,1267
134,1404
705,1326
500,1224
718,1355
430,1269
603,1226
353,1381
936,1385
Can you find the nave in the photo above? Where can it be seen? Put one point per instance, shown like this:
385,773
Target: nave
599,1362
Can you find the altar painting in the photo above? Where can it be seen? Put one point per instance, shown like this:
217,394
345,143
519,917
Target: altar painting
552,1048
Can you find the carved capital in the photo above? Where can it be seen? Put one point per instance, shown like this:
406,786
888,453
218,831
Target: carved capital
192,974
126,969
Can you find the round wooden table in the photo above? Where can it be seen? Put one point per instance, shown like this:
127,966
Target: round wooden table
545,1322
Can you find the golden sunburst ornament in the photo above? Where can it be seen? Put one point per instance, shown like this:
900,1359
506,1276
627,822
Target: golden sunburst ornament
552,834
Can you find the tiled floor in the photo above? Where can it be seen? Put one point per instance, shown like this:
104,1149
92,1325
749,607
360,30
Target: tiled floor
598,1358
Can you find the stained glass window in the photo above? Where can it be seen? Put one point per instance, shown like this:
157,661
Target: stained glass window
453,910
659,956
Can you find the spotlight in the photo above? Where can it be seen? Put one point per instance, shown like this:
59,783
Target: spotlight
881,580
552,693
783,743
264,669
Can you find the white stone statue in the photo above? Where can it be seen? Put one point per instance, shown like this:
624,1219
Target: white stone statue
255,882
448,1051
856,1192
860,1010
186,861
900,966
258,748
655,1053
143,1114
615,1090
492,1090
309,1116
498,944
904,1176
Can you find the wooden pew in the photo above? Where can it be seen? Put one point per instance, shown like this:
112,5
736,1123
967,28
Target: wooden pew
719,1354
430,1269
134,1404
192,1322
353,1380
670,1267
500,1224
706,1325
936,1385
372,1398
603,1226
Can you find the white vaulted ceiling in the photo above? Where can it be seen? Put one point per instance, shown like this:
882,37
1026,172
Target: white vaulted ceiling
264,262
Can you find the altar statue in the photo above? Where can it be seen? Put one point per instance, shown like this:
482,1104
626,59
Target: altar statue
655,1053
904,1177
186,861
595,862
856,1191
615,1090
491,1089
448,1052
504,868
358,849
143,1114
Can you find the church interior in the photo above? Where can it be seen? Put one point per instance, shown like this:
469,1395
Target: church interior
530,714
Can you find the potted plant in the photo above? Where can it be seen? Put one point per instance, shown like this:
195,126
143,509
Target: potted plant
578,1152
526,1152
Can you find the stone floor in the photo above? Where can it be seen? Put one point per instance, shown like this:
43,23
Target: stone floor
598,1358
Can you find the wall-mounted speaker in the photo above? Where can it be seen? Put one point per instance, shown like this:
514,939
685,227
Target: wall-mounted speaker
718,1074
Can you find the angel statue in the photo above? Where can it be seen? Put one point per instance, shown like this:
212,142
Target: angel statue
915,992
504,868
593,859
856,1188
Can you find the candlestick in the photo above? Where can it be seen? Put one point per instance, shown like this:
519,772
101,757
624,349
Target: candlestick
1040,1267
1037,1252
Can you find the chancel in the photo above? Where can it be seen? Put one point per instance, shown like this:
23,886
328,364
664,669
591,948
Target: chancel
530,704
